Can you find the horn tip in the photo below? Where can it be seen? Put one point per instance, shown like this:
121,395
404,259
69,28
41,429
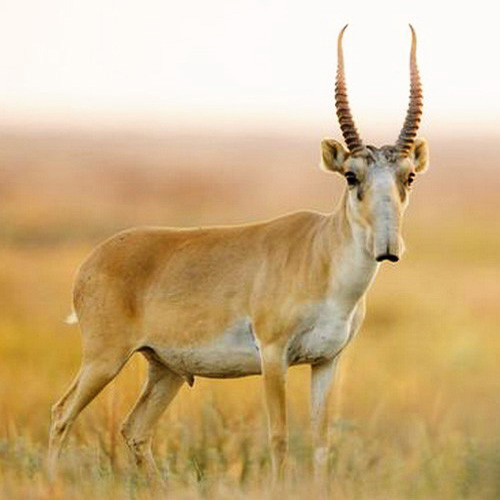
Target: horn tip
341,34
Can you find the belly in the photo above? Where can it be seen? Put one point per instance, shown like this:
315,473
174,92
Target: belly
233,354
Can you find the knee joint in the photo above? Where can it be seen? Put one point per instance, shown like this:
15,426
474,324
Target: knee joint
126,433
133,441
58,428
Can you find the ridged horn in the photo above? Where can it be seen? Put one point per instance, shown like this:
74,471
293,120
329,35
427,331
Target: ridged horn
351,136
414,114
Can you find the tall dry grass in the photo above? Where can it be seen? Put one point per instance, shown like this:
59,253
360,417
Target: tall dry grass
415,413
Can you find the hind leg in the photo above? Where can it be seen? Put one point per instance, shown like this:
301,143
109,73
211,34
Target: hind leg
93,376
159,390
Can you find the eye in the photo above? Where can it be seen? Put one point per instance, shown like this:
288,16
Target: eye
410,179
351,179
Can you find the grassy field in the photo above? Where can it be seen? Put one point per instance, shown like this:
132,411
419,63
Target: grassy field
415,413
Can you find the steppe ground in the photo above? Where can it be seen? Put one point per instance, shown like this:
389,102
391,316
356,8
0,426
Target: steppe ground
416,409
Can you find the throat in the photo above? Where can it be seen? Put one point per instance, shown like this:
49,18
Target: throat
353,267
354,272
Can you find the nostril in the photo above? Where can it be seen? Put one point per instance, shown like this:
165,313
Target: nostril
387,256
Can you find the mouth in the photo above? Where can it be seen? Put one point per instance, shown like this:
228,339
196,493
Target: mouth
387,256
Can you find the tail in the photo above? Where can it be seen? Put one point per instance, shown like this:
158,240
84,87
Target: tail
71,318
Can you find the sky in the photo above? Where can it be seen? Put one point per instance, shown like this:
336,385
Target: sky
244,64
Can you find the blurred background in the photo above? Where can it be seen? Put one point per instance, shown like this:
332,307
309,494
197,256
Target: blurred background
116,114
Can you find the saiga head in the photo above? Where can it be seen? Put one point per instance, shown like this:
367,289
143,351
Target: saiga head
378,179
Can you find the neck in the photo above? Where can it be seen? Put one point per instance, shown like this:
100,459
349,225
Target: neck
352,266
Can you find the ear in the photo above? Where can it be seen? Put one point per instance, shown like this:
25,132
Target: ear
333,155
419,155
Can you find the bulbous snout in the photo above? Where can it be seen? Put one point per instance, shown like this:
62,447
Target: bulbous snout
386,222
387,245
387,241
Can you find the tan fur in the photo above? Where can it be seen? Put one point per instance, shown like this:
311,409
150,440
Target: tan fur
232,301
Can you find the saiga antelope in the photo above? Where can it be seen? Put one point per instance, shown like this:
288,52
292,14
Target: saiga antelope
253,299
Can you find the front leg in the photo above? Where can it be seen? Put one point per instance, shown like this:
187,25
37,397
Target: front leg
322,376
274,368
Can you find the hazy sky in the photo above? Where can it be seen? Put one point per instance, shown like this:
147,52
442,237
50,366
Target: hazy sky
242,63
